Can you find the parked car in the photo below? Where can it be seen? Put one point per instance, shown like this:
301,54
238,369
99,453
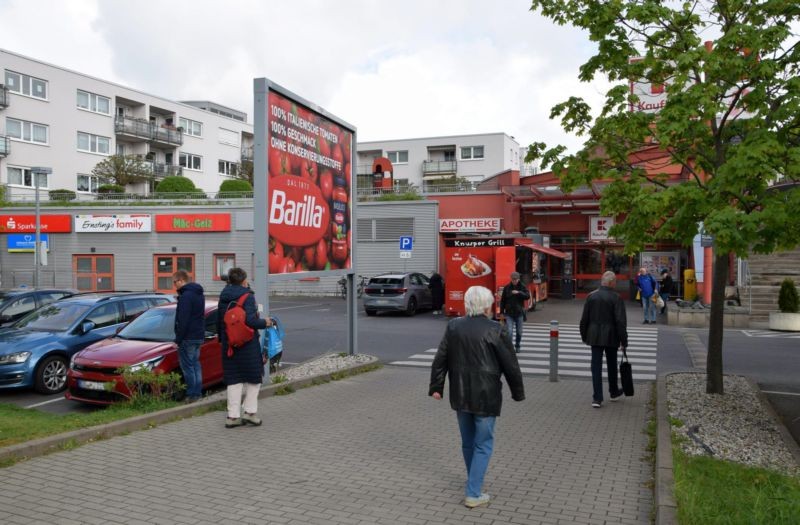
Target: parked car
35,351
147,342
403,292
16,303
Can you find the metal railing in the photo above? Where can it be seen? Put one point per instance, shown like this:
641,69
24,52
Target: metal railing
165,170
247,154
147,130
5,146
4,100
438,167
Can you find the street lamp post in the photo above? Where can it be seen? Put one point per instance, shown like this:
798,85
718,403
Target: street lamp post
37,171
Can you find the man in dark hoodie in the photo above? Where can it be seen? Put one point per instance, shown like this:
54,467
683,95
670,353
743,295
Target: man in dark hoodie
190,331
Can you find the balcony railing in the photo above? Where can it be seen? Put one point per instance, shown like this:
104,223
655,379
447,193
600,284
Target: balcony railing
165,170
247,154
148,131
3,97
5,146
438,167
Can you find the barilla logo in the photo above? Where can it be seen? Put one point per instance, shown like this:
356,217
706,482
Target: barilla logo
298,214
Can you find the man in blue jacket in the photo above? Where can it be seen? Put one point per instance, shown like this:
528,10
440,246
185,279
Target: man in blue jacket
648,289
190,331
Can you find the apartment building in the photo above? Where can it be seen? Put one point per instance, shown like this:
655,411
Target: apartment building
69,122
432,161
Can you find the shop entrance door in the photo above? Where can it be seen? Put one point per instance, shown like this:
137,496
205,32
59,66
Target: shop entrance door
589,264
93,273
166,265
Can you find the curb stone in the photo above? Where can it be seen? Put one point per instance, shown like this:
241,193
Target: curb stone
56,442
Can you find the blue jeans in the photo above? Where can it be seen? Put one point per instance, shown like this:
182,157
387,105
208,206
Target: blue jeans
516,323
477,443
597,372
189,357
650,308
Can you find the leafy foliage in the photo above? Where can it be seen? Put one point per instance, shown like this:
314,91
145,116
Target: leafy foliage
123,170
788,300
235,188
178,185
730,123
145,385
110,188
62,195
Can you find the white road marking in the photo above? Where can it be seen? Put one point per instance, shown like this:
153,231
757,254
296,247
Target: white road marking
47,402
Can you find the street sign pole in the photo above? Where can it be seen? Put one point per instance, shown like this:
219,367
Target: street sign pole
37,171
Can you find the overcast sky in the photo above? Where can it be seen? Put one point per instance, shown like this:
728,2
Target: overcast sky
394,69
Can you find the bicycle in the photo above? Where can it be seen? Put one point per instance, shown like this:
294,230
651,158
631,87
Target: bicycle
362,282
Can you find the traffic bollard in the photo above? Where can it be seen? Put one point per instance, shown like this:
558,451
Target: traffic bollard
553,351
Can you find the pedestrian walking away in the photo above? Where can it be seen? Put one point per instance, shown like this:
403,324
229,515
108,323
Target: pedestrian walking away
512,306
604,327
436,286
475,352
190,332
242,371
667,285
648,287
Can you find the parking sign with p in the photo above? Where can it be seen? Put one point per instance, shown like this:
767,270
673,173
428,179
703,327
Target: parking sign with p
406,243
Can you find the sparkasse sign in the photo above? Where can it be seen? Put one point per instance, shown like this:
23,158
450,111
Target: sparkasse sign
27,223
489,224
194,222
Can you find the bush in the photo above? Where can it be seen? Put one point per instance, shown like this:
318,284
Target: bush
146,386
788,300
235,188
2,194
62,195
110,188
181,185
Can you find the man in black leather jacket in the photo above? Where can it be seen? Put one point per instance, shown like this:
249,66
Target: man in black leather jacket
475,351
512,306
604,328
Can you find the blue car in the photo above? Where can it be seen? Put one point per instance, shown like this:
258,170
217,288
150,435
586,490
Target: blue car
36,350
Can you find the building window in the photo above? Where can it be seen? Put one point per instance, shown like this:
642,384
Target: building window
94,103
397,157
191,162
89,183
26,85
222,263
93,143
227,167
24,177
167,264
449,156
229,137
191,127
27,131
93,273
471,152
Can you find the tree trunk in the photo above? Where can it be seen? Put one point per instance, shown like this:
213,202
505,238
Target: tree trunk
715,325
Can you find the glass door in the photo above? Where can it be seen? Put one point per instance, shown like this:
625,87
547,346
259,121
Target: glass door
166,265
93,273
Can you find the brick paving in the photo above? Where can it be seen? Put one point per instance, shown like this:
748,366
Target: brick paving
370,449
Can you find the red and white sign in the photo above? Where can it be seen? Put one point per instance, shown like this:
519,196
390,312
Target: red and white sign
491,224
27,223
118,223
598,228
194,222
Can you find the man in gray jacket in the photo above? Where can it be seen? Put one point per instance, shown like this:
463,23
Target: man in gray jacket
604,328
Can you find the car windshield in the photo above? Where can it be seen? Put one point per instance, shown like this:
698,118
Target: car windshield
386,280
153,325
53,317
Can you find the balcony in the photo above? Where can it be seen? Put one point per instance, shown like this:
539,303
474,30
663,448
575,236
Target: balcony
165,170
247,153
5,146
3,97
142,129
438,167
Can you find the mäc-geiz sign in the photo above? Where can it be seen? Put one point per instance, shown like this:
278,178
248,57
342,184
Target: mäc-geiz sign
193,222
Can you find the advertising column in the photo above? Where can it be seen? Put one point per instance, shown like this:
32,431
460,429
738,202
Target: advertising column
304,191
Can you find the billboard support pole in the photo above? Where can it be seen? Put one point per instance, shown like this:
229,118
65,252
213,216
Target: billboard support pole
260,189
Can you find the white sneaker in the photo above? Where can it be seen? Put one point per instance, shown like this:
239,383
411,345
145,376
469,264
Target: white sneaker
480,501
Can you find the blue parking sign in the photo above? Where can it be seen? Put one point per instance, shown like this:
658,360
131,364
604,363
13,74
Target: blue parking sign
406,243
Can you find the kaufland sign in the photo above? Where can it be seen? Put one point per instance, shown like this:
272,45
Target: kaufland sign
598,228
486,225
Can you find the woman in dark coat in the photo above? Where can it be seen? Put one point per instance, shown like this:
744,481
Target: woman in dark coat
437,292
243,370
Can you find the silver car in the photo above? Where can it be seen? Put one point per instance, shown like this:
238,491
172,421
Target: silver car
401,292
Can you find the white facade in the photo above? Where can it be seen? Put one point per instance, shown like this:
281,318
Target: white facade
69,122
422,161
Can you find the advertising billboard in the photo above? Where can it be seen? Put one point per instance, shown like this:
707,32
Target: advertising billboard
309,188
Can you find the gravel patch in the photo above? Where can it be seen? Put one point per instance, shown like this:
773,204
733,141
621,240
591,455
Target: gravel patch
323,365
735,426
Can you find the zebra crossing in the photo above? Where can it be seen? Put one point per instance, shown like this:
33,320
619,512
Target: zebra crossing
771,333
573,356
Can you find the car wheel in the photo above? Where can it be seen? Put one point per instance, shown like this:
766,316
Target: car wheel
412,307
51,375
370,312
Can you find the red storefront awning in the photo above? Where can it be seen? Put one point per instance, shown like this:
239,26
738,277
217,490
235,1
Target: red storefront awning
539,248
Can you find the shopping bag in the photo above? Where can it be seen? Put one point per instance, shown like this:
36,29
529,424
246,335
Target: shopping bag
659,302
272,339
626,374
638,295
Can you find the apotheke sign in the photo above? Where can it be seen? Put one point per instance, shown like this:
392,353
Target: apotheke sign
119,223
491,224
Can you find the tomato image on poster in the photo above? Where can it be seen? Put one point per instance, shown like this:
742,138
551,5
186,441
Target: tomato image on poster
309,200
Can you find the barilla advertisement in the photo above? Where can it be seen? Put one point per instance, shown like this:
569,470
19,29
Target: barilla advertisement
308,159
466,266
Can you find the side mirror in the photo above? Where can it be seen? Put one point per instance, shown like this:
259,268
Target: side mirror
87,326
5,318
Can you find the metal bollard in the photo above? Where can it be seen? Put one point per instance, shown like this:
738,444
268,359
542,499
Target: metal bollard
553,351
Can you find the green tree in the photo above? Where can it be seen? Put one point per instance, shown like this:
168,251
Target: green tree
123,170
245,171
235,188
731,120
178,185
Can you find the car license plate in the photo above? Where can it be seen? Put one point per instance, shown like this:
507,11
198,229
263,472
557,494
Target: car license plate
91,385
381,301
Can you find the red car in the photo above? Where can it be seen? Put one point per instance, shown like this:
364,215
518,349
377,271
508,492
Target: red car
146,342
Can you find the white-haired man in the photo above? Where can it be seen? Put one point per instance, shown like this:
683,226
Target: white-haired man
475,351
604,327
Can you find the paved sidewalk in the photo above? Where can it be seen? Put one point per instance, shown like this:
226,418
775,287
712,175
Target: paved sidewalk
369,449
